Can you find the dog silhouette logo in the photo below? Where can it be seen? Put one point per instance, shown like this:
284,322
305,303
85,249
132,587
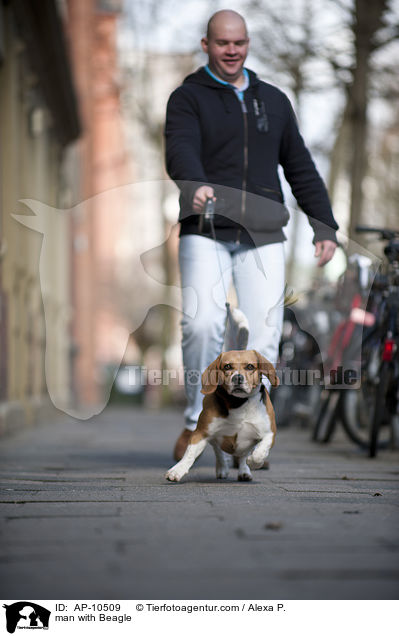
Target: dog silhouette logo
26,615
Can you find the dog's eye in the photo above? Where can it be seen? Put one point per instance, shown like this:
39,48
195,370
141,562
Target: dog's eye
250,367
227,367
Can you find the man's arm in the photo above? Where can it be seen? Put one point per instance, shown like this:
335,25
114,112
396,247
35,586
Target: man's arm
308,187
183,145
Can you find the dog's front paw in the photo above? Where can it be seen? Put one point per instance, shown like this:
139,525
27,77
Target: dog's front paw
255,461
222,473
175,474
245,476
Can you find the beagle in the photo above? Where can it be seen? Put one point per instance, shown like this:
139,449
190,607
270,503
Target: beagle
237,415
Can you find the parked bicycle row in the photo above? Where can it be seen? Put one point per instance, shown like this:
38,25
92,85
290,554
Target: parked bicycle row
344,342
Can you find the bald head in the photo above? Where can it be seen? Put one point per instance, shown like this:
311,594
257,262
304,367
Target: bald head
226,45
223,19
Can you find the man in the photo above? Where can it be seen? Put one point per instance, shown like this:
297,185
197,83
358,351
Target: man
226,133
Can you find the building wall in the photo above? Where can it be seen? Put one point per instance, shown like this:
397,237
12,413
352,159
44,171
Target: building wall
31,156
100,218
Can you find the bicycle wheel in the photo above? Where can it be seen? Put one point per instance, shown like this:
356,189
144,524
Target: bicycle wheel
357,415
381,414
325,420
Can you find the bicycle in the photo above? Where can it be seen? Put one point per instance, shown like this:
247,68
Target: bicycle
369,412
343,352
329,412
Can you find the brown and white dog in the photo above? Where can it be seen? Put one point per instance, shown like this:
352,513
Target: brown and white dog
237,416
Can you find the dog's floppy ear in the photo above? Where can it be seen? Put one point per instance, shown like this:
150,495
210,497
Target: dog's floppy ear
267,369
212,376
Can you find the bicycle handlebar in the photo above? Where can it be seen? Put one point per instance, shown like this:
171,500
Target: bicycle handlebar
385,233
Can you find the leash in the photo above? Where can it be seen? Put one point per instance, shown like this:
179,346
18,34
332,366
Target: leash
206,226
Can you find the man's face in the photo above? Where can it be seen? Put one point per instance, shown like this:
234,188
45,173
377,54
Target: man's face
227,48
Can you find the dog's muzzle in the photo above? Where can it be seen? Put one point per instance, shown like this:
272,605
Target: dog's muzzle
238,379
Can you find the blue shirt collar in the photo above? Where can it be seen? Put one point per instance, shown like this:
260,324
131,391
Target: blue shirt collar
239,91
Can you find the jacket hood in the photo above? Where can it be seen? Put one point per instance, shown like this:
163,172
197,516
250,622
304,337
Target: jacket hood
202,77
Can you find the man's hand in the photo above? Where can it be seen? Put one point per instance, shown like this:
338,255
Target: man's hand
201,195
325,249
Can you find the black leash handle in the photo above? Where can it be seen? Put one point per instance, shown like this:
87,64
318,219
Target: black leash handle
207,216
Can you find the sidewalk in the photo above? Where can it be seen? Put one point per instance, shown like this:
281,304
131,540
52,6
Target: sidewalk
87,514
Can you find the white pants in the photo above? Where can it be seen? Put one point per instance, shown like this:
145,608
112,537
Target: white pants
258,276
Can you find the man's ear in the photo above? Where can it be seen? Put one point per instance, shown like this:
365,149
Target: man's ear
267,369
212,377
204,44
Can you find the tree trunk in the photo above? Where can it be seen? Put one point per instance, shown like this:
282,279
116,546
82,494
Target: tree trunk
367,21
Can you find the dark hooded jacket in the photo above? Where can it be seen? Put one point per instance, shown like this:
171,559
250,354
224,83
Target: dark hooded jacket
213,139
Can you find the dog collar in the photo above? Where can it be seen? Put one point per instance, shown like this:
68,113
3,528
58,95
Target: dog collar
232,401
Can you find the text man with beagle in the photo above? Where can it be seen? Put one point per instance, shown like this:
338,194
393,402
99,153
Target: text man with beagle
226,134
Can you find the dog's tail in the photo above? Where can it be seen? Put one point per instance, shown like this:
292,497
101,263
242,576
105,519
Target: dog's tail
237,330
237,327
290,298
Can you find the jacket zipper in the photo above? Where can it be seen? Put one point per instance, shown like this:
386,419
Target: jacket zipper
244,178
